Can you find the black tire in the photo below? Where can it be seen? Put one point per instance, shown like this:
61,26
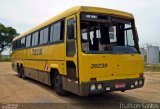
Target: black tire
22,72
58,85
19,72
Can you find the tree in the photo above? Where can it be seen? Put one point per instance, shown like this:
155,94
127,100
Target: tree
6,36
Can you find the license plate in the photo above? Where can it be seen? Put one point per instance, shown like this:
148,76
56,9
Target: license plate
120,85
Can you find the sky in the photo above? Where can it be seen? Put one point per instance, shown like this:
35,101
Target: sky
25,14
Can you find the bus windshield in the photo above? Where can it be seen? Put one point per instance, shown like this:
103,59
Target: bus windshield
106,34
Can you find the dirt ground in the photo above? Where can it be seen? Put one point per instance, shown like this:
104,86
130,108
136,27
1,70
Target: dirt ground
16,90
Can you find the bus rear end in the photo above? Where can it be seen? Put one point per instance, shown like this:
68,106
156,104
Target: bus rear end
109,58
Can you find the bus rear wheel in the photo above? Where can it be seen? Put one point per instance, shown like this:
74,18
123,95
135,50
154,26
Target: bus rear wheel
58,85
22,72
19,72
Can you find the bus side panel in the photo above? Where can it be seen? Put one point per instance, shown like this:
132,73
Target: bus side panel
37,61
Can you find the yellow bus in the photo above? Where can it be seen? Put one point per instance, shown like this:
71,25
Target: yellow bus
84,50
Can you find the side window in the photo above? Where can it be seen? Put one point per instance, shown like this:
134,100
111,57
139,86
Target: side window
41,37
28,41
71,49
18,43
51,33
57,31
23,42
13,45
70,30
44,36
35,38
62,29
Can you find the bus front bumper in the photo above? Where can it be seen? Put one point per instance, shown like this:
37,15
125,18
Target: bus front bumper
98,87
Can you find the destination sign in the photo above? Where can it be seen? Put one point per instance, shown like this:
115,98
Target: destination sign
88,16
91,16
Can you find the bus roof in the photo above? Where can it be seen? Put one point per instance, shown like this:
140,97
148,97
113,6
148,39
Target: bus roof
73,10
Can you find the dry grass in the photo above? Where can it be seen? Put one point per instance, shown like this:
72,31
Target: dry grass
151,67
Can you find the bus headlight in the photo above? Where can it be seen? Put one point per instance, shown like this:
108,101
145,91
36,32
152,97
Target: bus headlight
140,82
99,86
136,83
93,87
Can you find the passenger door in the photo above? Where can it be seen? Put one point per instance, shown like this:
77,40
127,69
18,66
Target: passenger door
71,48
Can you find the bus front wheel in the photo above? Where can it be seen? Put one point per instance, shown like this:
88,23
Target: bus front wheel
58,86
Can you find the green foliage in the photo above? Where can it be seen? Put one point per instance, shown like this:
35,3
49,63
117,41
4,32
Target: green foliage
4,59
6,36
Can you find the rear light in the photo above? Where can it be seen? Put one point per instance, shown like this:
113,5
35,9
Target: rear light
93,79
141,74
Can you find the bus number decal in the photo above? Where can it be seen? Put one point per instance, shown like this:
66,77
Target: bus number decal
38,51
104,65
